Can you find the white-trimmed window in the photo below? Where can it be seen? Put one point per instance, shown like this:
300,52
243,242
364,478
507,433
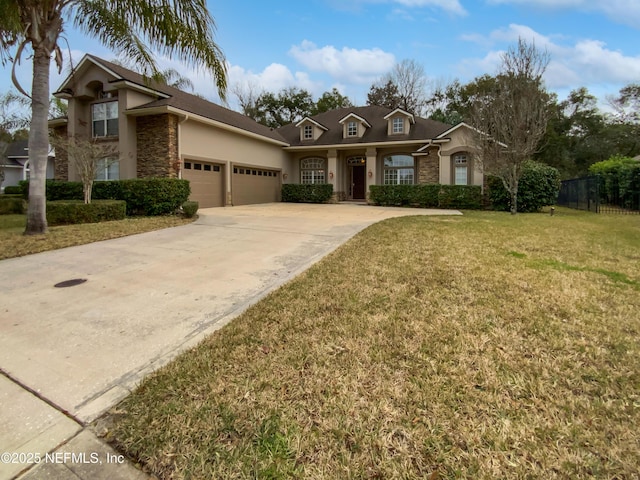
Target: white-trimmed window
307,132
104,119
312,170
108,169
352,129
398,125
460,169
399,170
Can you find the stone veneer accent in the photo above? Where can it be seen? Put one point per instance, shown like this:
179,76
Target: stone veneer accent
61,163
429,168
157,138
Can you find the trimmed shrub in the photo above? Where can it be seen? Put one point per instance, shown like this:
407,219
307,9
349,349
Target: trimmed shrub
67,212
13,190
11,204
427,196
189,209
299,193
460,196
154,196
538,187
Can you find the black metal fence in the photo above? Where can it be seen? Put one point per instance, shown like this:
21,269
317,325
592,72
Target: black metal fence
588,194
581,194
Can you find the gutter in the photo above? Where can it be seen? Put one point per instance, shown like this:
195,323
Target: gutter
140,112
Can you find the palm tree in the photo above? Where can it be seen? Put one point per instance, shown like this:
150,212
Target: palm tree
176,28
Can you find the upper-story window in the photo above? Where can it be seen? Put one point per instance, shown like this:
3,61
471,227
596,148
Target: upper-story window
398,125
307,132
352,129
104,119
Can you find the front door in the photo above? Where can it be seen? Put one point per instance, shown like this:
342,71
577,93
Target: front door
358,182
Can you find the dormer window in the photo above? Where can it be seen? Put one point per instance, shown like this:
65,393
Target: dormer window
398,125
399,122
353,126
307,133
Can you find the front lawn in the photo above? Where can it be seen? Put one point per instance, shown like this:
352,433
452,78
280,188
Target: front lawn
484,346
14,244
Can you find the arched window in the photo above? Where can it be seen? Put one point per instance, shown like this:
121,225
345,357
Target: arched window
312,170
461,169
399,170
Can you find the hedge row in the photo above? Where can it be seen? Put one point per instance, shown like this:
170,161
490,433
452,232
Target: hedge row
13,190
619,181
144,196
297,193
11,204
427,196
67,212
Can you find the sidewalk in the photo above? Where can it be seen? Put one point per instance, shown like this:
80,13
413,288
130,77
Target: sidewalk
53,445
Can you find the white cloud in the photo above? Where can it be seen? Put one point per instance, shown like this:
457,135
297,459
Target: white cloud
451,6
621,11
347,65
585,62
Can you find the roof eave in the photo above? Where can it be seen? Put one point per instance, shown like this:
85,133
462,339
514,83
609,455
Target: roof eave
185,115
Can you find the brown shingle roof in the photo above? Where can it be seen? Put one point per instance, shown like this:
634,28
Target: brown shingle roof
191,103
423,129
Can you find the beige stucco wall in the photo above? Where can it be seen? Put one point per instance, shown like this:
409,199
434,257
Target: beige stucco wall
459,143
84,86
199,140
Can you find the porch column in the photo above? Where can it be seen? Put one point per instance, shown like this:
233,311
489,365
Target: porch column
332,173
371,173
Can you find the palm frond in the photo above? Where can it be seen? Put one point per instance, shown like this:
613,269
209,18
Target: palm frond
181,29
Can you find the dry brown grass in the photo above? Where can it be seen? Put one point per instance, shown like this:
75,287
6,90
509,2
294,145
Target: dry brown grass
478,347
14,244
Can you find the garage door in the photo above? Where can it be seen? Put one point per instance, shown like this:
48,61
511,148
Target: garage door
255,185
207,183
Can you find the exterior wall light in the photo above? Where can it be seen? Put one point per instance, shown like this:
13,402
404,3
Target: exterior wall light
284,176
370,174
330,174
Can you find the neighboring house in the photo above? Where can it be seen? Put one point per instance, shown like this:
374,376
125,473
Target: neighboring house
232,160
15,164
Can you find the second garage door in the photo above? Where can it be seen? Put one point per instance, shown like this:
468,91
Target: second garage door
206,181
255,185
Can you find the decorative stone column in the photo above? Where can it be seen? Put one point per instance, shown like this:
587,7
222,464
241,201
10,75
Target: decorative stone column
332,174
157,139
371,171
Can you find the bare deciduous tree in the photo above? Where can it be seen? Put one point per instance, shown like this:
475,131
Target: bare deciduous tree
86,156
511,118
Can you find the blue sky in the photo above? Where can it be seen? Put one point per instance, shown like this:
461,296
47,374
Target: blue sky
321,44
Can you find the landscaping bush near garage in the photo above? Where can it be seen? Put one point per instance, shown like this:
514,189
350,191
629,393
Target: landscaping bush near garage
538,187
144,196
68,212
11,204
427,196
298,193
153,196
190,209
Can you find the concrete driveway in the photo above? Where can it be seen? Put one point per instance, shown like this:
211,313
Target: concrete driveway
68,354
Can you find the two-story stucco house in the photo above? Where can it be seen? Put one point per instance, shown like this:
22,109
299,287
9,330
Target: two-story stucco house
232,160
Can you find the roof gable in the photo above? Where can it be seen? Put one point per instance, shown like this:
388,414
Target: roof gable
355,117
401,112
170,98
